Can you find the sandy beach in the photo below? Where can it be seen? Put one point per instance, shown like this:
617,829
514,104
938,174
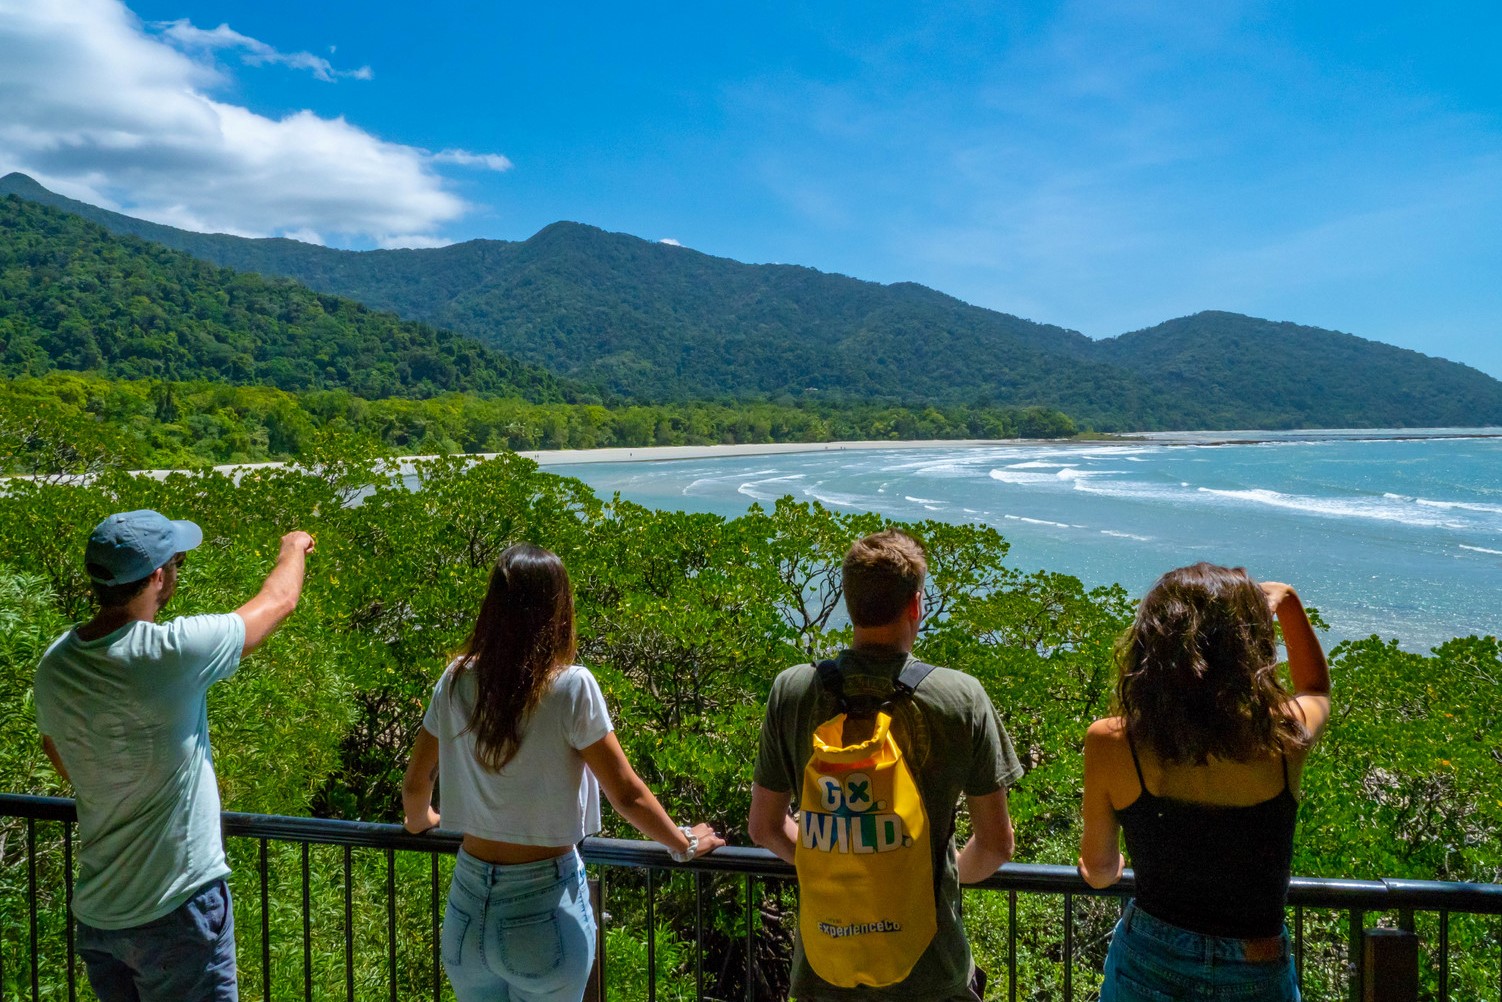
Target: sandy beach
664,453
643,454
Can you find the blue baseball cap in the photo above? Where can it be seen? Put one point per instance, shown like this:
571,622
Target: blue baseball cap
130,545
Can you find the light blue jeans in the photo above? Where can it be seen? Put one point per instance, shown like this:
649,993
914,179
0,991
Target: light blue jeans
1152,961
518,933
187,955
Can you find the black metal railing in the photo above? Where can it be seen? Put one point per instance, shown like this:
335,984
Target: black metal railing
1337,902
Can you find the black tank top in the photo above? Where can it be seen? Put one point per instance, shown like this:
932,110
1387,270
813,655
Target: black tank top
1212,869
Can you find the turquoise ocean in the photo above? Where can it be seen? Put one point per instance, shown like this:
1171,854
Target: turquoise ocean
1397,534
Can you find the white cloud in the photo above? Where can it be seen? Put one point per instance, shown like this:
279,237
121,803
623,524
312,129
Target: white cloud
305,236
95,106
464,158
409,241
670,242
186,36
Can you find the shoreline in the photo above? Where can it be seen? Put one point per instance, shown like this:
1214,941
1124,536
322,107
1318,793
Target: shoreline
670,453
676,453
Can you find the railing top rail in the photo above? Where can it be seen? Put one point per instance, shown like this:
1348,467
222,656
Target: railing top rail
1320,892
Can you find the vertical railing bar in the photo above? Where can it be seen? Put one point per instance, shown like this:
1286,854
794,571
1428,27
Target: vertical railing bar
602,953
750,940
1444,955
391,920
1357,918
31,888
1012,946
349,924
436,932
698,934
1068,947
307,932
651,936
265,871
1298,944
68,916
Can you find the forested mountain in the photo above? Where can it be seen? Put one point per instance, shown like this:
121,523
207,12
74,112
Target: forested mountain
1222,364
75,296
655,322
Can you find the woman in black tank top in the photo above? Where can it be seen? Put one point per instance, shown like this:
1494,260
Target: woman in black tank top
1200,771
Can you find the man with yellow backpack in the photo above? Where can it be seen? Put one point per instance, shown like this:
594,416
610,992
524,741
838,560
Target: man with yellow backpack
873,751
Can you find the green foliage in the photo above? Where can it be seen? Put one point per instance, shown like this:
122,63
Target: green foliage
1416,735
29,621
686,618
627,951
80,422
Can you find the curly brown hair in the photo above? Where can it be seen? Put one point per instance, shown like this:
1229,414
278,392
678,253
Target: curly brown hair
1198,670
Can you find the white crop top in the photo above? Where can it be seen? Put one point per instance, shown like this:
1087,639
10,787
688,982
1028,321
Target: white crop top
544,795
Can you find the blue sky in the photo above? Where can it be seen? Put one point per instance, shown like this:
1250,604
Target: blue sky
1103,166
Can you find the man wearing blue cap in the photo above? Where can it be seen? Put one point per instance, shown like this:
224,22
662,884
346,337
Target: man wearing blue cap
121,704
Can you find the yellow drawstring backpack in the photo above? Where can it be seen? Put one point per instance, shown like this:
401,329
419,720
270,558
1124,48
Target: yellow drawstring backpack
866,908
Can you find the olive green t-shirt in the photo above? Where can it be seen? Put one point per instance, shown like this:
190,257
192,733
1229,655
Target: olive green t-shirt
955,744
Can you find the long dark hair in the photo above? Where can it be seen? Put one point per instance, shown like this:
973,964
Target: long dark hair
1198,670
522,638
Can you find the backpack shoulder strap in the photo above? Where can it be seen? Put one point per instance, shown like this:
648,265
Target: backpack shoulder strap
832,681
912,676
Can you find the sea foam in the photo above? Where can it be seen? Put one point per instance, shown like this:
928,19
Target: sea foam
1014,477
1040,521
1369,508
756,489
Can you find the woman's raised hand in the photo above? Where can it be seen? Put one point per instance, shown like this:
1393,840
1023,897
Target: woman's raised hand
1277,593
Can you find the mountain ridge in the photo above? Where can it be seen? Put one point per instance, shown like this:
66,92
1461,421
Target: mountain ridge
74,296
657,322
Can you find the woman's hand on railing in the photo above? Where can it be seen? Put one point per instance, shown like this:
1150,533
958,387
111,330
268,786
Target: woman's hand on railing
698,840
708,840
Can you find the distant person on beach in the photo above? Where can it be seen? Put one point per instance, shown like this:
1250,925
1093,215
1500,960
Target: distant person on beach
882,858
520,741
1201,768
121,704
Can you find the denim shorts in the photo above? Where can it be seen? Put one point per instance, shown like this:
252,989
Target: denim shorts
187,955
1152,961
523,932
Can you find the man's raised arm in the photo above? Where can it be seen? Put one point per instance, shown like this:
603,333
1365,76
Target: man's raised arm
279,594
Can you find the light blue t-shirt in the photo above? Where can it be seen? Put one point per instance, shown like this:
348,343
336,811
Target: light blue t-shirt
129,717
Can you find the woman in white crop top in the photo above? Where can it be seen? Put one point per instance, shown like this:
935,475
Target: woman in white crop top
522,742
